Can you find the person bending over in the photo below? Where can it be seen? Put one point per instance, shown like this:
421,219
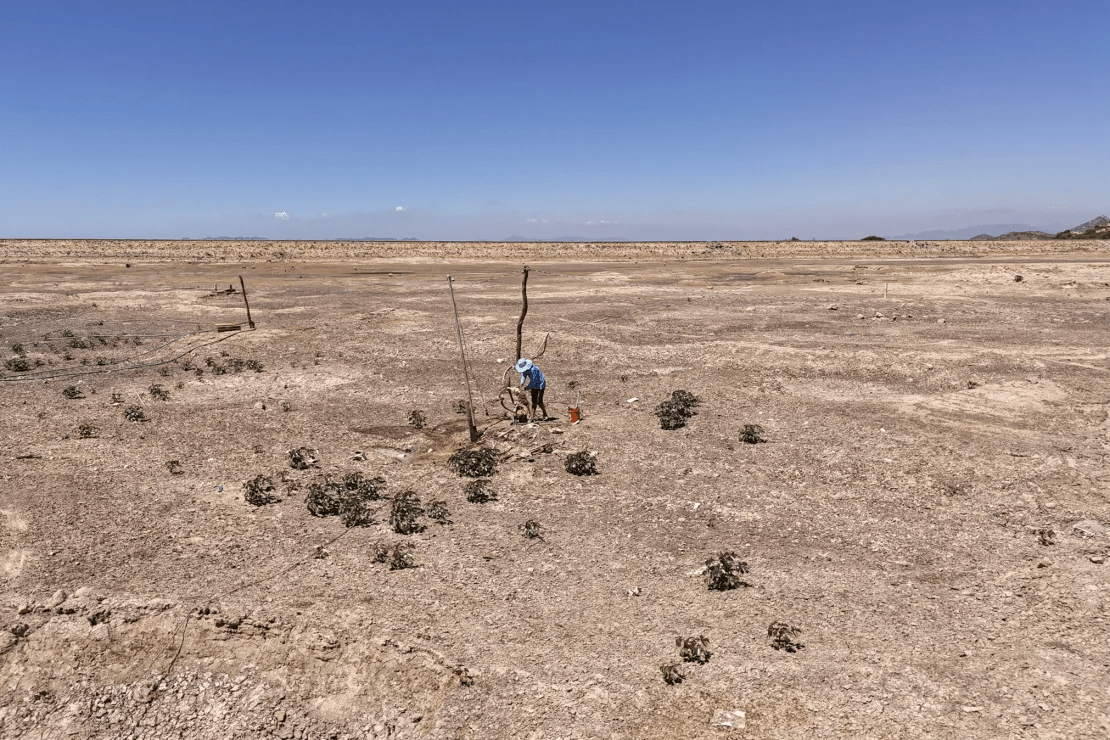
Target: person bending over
532,379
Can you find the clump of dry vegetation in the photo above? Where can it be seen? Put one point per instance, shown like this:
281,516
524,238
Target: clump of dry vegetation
18,364
259,491
72,392
355,512
358,485
476,463
581,463
231,365
694,649
405,513
477,492
397,556
322,499
723,572
417,419
438,512
782,637
157,391
672,673
134,413
174,466
87,431
674,412
752,434
302,458
532,530
1046,536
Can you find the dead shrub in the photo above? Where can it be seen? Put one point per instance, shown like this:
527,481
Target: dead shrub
134,413
359,486
477,492
723,572
157,391
405,512
87,431
174,467
437,512
18,364
72,392
672,673
258,491
694,649
581,463
417,419
401,557
782,637
752,434
532,530
1046,536
322,499
476,463
302,458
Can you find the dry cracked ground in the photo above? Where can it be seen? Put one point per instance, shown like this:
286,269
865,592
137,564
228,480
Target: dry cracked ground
929,507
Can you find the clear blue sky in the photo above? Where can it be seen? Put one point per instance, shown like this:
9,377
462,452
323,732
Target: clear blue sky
488,119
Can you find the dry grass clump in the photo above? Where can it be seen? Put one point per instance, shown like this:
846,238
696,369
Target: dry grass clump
258,491
532,530
417,419
476,463
405,512
672,673
87,431
437,512
157,391
752,434
674,412
72,392
134,413
302,458
477,491
581,463
694,649
782,637
723,572
397,556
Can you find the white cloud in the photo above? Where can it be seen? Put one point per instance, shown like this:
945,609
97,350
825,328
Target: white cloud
398,208
281,216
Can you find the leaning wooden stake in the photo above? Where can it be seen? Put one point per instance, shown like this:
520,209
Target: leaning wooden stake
244,287
466,373
523,311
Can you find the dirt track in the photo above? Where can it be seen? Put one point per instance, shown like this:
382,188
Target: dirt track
921,446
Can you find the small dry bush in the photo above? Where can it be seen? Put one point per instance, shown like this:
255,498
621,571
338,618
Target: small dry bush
674,412
752,434
87,431
782,637
157,391
723,572
437,512
355,512
581,463
694,649
174,466
259,491
134,413
417,419
302,458
1046,536
476,463
397,556
323,499
405,512
477,492
672,673
18,364
72,392
358,485
532,530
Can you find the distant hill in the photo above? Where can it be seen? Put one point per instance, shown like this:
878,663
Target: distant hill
971,232
1013,236
1097,228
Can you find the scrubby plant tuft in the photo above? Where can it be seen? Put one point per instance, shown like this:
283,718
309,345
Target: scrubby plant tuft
302,458
438,512
401,557
72,392
674,412
476,463
723,572
355,512
322,499
694,649
405,512
752,434
134,413
258,491
532,530
174,466
359,486
87,431
157,391
18,364
477,492
782,637
672,673
417,419
581,463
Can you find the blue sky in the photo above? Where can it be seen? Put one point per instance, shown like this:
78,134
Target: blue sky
696,120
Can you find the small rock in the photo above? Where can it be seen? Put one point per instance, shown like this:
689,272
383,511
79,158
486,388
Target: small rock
833,307
940,321
636,591
1046,563
972,709
1097,559
57,599
1088,528
729,719
859,316
878,314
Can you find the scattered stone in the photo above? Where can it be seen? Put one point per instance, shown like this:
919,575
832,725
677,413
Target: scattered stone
57,599
1088,528
1097,559
729,719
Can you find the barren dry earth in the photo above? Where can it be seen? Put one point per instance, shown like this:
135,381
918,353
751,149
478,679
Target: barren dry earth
929,508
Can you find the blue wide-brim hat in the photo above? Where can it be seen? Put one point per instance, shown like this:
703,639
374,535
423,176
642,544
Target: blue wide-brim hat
523,366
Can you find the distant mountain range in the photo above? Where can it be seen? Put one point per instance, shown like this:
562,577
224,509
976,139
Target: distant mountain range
961,234
1096,228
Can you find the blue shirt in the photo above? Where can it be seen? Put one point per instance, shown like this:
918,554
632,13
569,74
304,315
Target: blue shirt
533,379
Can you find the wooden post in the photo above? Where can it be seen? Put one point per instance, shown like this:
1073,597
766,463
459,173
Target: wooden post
523,311
243,285
466,373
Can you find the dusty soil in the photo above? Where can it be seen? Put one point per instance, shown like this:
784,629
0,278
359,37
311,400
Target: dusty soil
912,512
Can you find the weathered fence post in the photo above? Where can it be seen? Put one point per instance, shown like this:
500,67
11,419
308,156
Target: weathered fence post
466,372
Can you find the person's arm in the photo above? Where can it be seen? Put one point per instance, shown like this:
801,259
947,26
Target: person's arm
525,379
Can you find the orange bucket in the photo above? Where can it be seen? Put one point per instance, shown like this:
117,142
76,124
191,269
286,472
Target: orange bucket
575,415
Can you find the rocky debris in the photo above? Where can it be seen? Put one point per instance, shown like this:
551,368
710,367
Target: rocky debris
694,649
723,572
729,719
1088,528
581,463
480,462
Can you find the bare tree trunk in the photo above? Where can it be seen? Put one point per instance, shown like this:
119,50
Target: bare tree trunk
523,311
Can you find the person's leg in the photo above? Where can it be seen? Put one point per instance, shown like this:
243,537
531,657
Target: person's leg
539,402
537,396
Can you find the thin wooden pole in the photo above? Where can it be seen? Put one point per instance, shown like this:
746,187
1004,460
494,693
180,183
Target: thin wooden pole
244,287
523,311
466,373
